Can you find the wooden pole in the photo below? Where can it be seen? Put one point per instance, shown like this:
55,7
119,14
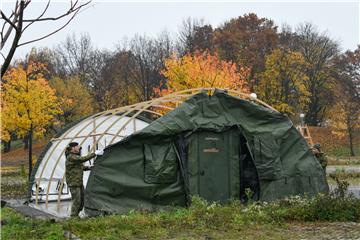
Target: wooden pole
30,149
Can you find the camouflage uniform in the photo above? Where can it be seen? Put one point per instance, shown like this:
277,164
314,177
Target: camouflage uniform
321,157
74,178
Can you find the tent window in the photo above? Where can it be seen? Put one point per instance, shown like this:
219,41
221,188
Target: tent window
161,165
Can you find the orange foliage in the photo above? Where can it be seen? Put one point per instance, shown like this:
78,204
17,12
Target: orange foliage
202,70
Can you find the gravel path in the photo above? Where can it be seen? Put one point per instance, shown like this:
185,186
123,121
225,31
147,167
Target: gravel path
349,169
326,230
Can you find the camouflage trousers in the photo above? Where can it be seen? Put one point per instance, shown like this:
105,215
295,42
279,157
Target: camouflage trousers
77,195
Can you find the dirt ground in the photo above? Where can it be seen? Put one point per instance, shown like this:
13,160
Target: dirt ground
19,156
335,230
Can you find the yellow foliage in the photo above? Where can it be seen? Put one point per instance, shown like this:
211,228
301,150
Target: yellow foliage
202,70
75,100
283,82
27,99
344,116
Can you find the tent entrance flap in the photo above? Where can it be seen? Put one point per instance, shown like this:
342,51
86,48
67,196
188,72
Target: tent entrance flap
214,165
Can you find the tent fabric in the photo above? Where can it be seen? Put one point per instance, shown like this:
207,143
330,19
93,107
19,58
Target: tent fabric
145,170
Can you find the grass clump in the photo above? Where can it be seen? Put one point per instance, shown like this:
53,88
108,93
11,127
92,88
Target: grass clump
15,226
319,208
13,187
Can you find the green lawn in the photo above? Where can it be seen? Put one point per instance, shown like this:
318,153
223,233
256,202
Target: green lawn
342,151
284,219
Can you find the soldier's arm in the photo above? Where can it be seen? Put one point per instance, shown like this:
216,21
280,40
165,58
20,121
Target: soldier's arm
82,159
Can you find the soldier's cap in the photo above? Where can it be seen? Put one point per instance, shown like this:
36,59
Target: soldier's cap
317,146
73,144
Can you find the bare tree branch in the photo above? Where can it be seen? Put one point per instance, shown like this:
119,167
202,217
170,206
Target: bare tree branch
15,16
8,20
15,10
52,33
16,21
42,14
70,11
16,40
3,55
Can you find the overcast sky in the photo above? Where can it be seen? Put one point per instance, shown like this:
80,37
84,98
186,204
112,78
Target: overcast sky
108,22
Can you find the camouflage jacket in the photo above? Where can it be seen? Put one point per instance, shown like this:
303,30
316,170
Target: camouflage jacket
74,168
321,157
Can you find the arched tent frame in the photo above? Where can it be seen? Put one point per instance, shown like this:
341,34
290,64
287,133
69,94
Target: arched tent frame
157,107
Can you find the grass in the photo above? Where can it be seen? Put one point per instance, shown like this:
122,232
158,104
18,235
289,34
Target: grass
14,183
14,144
351,180
341,151
278,220
15,226
202,220
344,161
334,145
134,225
13,188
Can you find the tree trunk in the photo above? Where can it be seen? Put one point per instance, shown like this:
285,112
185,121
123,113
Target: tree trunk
26,142
7,146
351,145
30,149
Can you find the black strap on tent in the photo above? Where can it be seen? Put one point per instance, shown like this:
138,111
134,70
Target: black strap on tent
181,152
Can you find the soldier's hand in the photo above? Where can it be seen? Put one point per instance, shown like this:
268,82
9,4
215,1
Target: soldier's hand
99,152
87,168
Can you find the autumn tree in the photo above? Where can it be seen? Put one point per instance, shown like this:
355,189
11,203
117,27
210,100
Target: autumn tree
116,87
17,22
8,127
283,82
44,56
318,51
74,99
202,70
345,114
76,57
28,104
288,38
149,56
246,41
194,35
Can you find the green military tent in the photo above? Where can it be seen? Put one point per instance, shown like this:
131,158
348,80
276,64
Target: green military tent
215,146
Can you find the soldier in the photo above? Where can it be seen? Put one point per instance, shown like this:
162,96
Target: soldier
74,174
321,157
